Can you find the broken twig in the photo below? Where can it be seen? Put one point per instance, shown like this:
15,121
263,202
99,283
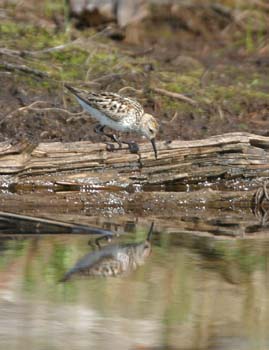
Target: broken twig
174,95
46,109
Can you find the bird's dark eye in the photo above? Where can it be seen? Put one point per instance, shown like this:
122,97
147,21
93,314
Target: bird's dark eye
151,130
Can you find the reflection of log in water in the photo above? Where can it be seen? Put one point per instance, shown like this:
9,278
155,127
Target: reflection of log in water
15,224
112,260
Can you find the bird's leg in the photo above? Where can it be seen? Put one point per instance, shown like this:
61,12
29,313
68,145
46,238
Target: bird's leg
133,147
110,146
116,139
99,129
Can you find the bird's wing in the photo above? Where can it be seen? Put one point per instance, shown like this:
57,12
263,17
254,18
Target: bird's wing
105,266
112,105
108,266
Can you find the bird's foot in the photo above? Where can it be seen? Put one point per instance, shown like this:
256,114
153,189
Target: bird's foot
133,147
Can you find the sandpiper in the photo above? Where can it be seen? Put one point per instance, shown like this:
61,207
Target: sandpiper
118,113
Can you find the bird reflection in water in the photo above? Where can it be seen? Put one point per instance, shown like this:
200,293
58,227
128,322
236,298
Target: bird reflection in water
260,208
112,260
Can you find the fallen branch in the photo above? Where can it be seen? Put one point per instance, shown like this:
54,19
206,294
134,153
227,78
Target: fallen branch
55,109
24,225
23,53
46,109
130,88
22,68
16,53
176,95
112,77
13,53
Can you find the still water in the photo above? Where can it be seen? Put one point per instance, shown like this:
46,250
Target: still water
174,292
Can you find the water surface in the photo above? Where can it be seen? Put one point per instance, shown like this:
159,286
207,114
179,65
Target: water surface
191,292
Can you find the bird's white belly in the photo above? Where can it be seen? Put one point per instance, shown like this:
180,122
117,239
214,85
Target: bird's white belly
121,125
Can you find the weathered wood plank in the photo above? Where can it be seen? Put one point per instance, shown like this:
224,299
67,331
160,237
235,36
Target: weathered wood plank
227,156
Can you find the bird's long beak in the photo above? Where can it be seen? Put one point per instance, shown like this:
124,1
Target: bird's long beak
154,147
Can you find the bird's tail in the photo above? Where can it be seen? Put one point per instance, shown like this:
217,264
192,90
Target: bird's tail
67,276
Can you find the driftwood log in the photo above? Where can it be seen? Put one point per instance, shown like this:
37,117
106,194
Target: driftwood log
184,189
229,156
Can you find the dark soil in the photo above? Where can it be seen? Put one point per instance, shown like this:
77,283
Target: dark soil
218,56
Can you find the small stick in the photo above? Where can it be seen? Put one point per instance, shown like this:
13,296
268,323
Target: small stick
131,89
174,117
174,95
